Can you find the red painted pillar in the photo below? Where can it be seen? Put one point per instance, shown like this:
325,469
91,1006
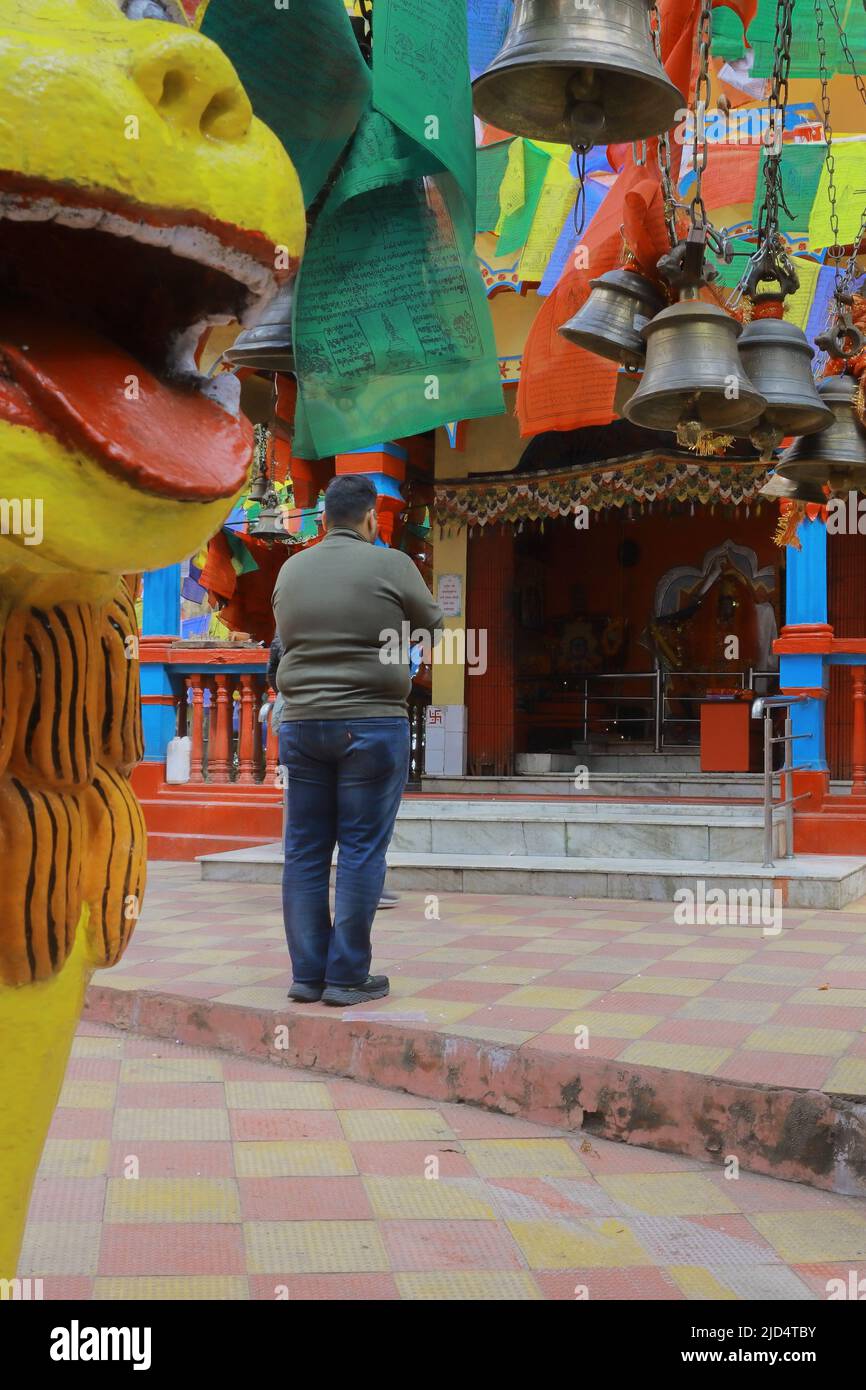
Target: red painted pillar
858,736
272,750
490,698
246,722
220,732
196,758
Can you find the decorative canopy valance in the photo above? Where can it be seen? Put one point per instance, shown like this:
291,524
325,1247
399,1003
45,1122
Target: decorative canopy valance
642,480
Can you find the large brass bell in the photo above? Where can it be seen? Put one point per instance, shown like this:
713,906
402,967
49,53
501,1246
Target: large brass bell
267,346
693,374
835,455
610,322
578,72
776,356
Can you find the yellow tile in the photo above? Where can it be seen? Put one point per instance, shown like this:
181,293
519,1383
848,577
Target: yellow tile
710,956
663,984
360,1125
549,997
207,957
607,1025
598,1244
403,985
669,1194
469,1285
561,946
849,963
86,1095
96,1047
428,1199
813,1237
698,1283
314,1247
293,1158
174,1288
503,974
826,1042
172,1199
524,1158
848,1076
74,1158
60,1247
838,998
171,1123
238,974
676,1056
255,996
278,1095
116,979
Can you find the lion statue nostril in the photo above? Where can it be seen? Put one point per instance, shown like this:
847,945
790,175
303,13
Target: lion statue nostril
227,115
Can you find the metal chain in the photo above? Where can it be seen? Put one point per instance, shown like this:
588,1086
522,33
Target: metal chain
700,148
830,160
843,39
663,148
768,215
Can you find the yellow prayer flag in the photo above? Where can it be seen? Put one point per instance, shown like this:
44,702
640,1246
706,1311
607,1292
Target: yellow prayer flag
850,180
557,199
512,190
798,305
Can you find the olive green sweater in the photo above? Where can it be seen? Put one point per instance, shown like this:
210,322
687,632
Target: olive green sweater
336,605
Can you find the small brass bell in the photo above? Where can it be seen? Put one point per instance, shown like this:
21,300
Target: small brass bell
610,322
578,74
776,488
693,374
835,456
776,356
267,346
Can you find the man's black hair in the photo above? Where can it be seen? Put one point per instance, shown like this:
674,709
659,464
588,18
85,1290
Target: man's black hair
348,499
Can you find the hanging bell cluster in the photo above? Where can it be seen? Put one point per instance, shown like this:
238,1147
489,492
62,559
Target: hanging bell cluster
693,381
268,346
578,74
611,322
834,456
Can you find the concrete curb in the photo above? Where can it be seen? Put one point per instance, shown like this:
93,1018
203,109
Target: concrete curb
803,1136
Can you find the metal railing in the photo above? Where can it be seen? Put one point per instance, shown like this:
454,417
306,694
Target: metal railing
657,699
764,705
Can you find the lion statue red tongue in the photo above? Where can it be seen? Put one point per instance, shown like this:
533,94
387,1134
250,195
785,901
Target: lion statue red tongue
170,441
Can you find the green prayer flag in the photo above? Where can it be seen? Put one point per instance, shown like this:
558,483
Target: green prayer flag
801,167
421,80
491,162
303,72
392,333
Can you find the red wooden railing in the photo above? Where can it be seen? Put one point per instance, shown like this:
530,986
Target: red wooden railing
221,753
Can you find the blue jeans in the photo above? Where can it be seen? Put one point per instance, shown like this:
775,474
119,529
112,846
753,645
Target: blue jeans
346,778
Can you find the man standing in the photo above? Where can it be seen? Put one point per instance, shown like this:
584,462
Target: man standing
340,608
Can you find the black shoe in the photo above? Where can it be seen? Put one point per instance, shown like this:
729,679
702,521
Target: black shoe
374,987
305,994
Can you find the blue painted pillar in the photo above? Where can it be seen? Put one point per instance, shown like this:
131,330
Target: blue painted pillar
160,619
802,669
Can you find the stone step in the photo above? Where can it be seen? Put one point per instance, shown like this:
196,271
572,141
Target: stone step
582,830
827,882
701,786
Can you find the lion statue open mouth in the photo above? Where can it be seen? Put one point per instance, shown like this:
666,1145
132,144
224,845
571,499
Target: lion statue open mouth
141,202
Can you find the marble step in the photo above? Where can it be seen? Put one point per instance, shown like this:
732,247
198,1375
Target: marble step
589,830
808,881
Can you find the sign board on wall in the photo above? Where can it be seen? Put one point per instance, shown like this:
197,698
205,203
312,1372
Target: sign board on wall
449,594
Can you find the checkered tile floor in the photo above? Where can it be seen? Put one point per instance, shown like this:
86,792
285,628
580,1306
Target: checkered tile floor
723,1001
180,1173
